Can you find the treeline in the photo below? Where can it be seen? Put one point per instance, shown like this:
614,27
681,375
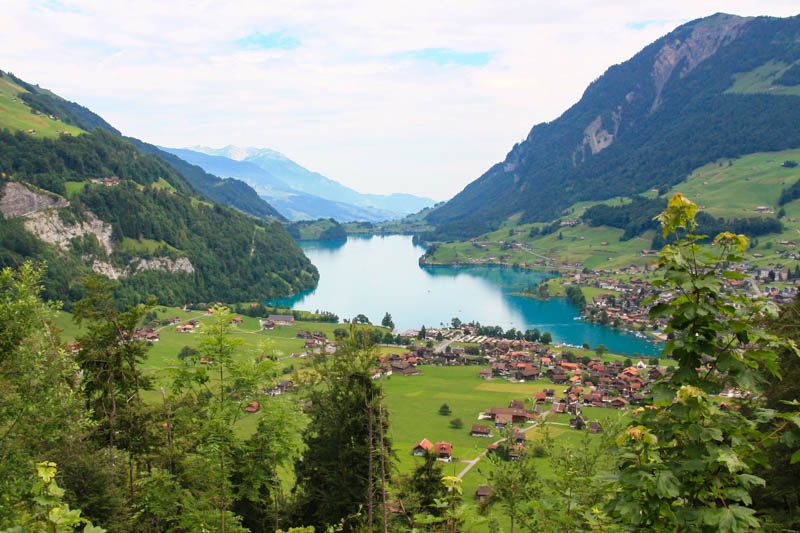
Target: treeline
49,163
790,193
790,77
638,216
710,226
635,217
530,335
324,229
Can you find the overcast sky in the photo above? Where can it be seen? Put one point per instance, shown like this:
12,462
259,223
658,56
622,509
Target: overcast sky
413,96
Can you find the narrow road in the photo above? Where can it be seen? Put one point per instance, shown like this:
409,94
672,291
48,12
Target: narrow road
441,348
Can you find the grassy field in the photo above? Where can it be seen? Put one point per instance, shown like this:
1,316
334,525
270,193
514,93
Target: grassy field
16,114
760,80
414,403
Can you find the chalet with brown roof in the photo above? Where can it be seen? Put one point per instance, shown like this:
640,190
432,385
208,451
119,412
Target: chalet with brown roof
281,320
516,404
519,437
411,371
483,492
559,407
485,373
619,403
481,430
498,369
517,414
528,372
595,427
540,396
501,421
422,447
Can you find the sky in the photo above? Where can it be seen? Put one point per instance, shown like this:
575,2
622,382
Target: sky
416,96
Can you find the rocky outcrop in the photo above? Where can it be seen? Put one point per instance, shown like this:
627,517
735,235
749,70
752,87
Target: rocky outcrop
597,137
179,265
18,200
49,227
108,270
706,38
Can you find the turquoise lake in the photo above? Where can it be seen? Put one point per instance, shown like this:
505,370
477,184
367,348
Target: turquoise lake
373,275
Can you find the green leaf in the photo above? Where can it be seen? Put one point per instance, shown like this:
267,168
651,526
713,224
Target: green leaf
731,460
663,394
749,480
795,457
667,485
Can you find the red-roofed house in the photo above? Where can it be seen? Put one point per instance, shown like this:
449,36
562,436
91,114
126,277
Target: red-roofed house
444,450
421,447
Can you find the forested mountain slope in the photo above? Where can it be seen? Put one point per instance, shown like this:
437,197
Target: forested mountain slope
31,107
722,86
92,202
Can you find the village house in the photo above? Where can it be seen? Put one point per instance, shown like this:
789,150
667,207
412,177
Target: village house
422,447
482,493
481,430
444,451
281,320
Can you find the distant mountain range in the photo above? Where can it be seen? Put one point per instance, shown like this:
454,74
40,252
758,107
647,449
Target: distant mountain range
296,192
714,88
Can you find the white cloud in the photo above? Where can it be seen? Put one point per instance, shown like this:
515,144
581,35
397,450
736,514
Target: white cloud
343,92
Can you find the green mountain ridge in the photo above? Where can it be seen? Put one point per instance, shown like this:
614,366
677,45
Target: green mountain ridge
646,123
93,202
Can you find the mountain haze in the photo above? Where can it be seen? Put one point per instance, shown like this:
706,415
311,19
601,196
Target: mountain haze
717,87
279,174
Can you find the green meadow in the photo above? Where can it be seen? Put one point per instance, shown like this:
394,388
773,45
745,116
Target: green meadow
16,114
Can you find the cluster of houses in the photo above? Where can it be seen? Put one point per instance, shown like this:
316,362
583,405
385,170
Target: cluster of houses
313,340
611,384
189,327
145,333
109,181
443,450
623,305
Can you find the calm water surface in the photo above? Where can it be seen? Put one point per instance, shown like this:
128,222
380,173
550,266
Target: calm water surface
374,275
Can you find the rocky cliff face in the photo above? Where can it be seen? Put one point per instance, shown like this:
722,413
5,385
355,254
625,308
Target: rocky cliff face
181,265
41,218
48,226
18,200
706,38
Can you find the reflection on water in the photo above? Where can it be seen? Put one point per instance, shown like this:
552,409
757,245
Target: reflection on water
374,275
